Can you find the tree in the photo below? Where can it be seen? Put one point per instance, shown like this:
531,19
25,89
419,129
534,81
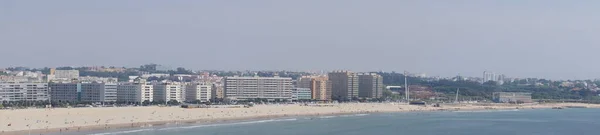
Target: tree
148,67
156,102
491,83
520,102
180,70
146,102
173,102
387,93
257,100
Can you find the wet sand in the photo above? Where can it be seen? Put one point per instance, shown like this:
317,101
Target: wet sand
42,121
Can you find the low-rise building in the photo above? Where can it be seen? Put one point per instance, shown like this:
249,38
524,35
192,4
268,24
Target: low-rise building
512,97
301,94
7,79
96,79
65,74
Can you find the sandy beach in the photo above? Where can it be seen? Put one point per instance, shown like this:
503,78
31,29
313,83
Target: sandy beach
41,121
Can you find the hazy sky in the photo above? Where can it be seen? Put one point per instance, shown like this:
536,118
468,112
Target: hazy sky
555,39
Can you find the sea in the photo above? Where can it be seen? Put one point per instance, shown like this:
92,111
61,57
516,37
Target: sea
496,122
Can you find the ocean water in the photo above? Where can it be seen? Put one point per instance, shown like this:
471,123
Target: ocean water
507,122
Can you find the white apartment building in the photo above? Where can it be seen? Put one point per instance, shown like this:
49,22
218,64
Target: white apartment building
109,92
164,92
246,88
137,92
488,76
201,92
25,91
65,74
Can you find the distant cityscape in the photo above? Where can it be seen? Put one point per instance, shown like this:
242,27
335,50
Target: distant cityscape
156,84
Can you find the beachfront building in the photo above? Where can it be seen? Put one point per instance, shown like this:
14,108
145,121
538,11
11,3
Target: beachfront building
64,92
344,85
320,86
83,92
217,91
135,92
370,85
512,97
23,91
198,92
248,88
168,91
301,94
108,93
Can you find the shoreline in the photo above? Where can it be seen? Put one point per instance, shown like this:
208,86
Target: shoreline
258,115
169,122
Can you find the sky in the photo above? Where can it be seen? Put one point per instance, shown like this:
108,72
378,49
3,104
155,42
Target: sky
554,39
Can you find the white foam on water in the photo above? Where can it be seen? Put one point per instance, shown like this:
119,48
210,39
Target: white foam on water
327,117
196,126
354,115
123,132
497,120
482,111
333,116
227,124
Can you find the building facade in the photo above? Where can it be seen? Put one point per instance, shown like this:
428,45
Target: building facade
164,92
64,92
217,91
26,91
109,92
245,88
66,74
320,86
301,94
136,92
512,97
198,92
370,85
489,76
344,85
305,82
83,92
